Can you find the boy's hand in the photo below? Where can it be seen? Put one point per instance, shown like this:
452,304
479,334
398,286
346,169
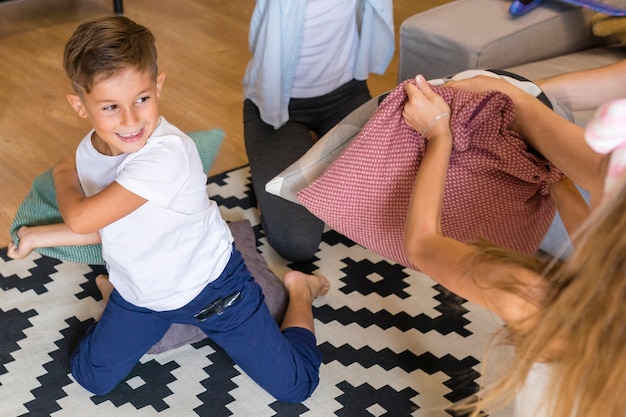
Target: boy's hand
426,111
24,249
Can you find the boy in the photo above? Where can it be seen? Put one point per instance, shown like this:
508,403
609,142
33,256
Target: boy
137,184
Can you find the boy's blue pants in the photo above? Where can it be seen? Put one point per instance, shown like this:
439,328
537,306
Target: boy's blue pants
286,363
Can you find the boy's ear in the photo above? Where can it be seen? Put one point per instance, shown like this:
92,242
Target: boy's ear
77,105
159,83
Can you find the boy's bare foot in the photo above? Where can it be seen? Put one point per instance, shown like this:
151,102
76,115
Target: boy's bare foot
297,281
302,289
105,287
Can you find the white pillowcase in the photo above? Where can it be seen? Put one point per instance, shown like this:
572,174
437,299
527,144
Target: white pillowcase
312,164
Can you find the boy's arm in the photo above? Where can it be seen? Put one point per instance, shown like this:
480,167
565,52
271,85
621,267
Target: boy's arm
89,214
47,236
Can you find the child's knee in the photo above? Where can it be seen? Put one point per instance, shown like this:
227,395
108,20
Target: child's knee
93,375
298,393
89,378
296,250
307,367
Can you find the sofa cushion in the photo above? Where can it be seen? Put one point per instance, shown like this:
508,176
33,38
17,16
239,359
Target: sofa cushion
478,34
578,61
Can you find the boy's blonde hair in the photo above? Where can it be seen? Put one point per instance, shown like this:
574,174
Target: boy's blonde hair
101,48
584,316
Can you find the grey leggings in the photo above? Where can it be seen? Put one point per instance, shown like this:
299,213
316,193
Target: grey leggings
290,228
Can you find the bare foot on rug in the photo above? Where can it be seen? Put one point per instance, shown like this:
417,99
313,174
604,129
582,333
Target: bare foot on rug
302,289
105,287
298,281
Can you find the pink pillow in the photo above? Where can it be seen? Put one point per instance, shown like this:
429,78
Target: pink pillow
497,188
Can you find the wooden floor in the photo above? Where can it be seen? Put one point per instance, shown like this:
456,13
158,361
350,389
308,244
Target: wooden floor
202,48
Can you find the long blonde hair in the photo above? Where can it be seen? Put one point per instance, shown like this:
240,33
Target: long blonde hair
584,315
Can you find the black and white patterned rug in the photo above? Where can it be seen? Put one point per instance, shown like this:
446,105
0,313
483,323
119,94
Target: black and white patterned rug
394,342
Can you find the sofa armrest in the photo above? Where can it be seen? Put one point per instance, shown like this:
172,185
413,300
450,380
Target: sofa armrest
477,34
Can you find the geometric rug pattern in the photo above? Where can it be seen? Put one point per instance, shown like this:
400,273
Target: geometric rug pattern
394,342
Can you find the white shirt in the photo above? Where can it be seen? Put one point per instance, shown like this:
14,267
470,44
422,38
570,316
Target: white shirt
531,400
330,40
163,254
275,39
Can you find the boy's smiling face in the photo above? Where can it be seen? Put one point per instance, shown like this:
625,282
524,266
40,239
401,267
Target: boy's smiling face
123,110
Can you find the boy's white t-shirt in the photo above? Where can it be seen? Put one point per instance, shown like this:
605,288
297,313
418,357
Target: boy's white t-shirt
164,253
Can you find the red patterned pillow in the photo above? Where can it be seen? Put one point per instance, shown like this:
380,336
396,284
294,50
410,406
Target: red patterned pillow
497,188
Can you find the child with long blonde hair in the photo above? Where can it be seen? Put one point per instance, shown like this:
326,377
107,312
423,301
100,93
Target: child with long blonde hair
566,320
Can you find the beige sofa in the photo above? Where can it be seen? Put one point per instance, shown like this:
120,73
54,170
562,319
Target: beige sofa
480,34
470,34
